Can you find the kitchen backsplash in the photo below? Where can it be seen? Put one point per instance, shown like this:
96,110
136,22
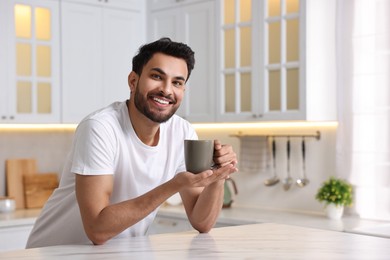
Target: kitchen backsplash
50,149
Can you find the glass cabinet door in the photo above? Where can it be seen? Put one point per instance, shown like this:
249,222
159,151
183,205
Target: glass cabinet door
236,78
35,78
281,59
261,63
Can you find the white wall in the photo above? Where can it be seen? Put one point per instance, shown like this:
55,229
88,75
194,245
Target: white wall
320,164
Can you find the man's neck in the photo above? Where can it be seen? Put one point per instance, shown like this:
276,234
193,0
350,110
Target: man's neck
146,130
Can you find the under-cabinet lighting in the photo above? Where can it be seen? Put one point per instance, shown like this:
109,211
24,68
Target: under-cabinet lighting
224,126
38,127
266,125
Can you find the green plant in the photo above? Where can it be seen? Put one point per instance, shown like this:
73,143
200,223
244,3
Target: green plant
336,191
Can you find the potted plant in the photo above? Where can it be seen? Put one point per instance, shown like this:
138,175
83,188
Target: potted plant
335,193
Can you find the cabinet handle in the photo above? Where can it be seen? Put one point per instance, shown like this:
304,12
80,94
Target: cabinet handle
257,115
3,117
12,117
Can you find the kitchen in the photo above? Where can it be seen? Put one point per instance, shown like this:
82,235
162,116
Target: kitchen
317,109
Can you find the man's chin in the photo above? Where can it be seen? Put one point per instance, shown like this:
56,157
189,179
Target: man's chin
159,118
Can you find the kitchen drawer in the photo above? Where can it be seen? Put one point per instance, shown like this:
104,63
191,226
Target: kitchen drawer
14,237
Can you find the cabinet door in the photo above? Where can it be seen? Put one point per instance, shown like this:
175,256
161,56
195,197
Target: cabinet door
33,62
199,31
238,89
123,32
14,238
120,4
82,66
163,224
3,64
193,25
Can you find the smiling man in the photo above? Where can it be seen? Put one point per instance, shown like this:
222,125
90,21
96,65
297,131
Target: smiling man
128,158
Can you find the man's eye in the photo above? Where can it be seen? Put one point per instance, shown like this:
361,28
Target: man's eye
178,83
155,76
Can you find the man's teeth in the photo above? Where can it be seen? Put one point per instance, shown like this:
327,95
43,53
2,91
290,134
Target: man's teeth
161,101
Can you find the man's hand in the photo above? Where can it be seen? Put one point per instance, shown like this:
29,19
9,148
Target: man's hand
224,155
202,193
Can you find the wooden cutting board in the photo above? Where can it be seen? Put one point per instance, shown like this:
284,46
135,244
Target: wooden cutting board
38,188
15,169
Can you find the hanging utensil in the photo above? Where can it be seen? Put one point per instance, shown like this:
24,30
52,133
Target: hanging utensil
302,182
275,179
288,181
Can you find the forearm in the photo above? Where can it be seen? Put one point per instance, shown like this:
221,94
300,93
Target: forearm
115,218
207,207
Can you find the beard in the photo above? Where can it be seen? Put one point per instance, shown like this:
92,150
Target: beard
142,105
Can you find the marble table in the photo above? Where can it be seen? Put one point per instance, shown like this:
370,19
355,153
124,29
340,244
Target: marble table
257,241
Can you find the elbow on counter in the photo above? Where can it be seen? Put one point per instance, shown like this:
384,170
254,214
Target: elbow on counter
98,238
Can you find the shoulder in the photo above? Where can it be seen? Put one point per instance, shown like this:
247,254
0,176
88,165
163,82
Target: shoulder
180,127
105,120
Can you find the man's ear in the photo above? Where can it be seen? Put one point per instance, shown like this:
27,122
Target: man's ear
132,80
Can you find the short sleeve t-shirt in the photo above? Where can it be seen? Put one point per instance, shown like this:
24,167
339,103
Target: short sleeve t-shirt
106,143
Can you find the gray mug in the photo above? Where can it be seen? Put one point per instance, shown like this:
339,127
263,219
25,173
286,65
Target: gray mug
198,155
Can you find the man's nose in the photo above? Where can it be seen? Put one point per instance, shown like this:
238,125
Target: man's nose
167,87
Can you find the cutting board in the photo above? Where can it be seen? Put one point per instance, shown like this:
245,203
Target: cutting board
15,169
38,188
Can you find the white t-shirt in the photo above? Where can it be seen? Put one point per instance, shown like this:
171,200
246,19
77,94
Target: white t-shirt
106,143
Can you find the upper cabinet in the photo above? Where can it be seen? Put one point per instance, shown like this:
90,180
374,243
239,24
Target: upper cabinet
119,4
277,60
30,65
98,43
193,23
163,4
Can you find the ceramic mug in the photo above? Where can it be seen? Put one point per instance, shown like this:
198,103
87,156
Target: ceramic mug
198,155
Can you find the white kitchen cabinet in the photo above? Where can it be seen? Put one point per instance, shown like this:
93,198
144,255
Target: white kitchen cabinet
98,43
162,4
163,224
120,4
192,22
277,60
14,237
29,64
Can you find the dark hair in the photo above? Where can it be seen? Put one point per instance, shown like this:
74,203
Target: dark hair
165,46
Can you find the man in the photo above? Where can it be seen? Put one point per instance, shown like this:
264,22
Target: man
128,158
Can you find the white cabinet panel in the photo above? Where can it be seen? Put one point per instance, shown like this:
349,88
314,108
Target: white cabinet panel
120,43
192,24
81,61
126,4
98,46
14,238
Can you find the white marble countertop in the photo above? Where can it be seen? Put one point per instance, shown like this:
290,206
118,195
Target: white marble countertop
268,241
248,215
239,215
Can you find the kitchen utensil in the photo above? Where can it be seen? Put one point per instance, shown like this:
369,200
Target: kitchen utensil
302,182
275,179
15,169
38,188
288,181
7,204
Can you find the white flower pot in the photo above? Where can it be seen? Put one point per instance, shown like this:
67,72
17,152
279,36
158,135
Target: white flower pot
334,211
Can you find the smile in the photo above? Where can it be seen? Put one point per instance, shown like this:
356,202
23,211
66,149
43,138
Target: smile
161,101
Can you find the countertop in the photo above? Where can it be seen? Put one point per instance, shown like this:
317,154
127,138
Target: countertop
240,215
19,217
268,241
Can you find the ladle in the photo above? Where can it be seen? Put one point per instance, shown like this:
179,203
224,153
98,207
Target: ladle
274,180
302,182
288,181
